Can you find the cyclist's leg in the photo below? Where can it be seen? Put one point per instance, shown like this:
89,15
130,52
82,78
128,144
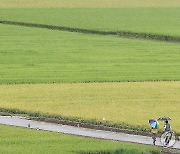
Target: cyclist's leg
154,138
167,139
170,136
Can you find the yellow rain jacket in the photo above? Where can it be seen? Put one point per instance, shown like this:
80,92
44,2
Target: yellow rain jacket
154,131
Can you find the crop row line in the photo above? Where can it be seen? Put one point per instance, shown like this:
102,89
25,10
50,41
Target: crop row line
88,81
77,82
125,34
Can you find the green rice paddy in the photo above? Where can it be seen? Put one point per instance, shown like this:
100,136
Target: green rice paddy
19,140
162,21
89,4
33,55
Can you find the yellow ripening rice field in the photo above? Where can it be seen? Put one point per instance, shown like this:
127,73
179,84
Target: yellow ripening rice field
88,3
133,103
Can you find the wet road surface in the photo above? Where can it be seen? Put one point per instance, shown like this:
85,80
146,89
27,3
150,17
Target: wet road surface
23,122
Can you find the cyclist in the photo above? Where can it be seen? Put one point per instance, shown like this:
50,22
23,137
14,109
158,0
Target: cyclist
167,129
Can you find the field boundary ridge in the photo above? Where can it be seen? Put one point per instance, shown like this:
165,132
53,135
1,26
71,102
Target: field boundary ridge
86,81
123,34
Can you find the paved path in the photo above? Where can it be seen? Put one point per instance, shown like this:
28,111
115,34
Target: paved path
23,122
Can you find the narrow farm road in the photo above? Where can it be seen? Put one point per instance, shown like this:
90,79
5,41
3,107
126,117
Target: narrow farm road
23,122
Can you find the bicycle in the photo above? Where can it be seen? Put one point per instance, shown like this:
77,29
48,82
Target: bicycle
168,139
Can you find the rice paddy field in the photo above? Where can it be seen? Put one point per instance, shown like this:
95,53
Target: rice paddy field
88,4
131,103
19,140
91,76
162,21
32,55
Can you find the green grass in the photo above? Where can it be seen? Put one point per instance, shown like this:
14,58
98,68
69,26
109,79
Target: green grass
19,140
33,55
129,103
163,21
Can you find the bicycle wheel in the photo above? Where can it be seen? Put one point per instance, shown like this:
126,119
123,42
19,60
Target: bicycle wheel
168,139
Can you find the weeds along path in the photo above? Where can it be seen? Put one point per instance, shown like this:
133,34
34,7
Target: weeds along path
125,34
24,122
